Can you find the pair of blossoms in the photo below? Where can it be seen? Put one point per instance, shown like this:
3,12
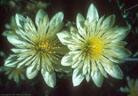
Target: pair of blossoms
93,48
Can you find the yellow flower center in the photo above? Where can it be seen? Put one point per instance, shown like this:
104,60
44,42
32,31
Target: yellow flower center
134,91
43,45
47,47
95,47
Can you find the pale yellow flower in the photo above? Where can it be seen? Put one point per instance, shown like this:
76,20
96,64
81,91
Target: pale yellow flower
37,46
96,47
132,88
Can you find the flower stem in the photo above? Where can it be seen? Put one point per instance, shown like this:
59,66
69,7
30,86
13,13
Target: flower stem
130,59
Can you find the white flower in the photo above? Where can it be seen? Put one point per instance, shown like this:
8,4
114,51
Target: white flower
96,47
132,88
14,72
37,46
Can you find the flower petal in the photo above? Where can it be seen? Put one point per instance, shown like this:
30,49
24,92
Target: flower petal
29,27
15,40
108,22
97,78
85,66
39,17
25,61
49,77
80,24
42,22
20,20
121,32
55,24
31,70
67,60
77,77
92,13
114,71
64,37
11,61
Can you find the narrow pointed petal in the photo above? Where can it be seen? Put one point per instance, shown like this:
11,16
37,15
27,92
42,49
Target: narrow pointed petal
77,78
31,71
11,61
49,77
97,78
121,32
108,22
67,60
114,71
55,24
64,37
24,61
14,40
20,20
57,19
92,13
39,17
88,77
80,24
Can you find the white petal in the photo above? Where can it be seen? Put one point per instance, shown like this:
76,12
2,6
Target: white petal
17,50
99,23
31,71
97,78
11,61
92,13
85,66
114,71
121,32
108,22
120,52
76,63
24,61
111,68
55,24
29,27
49,77
77,78
57,19
67,60
87,77
14,40
64,37
39,16
19,20
47,64
80,24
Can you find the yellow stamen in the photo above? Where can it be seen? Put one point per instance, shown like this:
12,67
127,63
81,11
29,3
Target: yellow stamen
47,47
95,47
43,45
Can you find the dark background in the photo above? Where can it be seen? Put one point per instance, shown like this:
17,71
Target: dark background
64,87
